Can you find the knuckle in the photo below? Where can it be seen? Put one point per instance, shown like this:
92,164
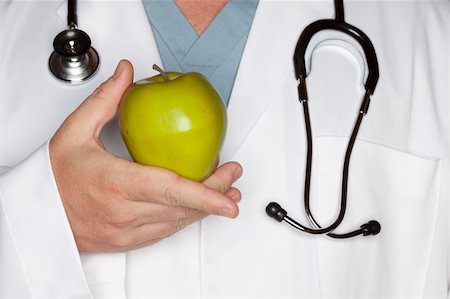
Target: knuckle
100,92
144,189
180,224
224,185
172,213
112,181
186,213
122,240
204,198
224,182
171,195
116,187
152,184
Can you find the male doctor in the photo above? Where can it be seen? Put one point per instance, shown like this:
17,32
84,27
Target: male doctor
79,220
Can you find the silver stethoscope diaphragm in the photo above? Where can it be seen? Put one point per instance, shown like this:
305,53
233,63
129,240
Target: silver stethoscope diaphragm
73,59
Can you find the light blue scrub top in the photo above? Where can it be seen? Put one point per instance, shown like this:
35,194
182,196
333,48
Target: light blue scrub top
216,53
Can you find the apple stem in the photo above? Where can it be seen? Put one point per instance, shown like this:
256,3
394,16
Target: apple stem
163,73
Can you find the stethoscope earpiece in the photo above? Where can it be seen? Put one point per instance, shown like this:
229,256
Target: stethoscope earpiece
73,59
275,211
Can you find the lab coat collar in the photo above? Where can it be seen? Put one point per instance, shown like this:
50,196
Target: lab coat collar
266,65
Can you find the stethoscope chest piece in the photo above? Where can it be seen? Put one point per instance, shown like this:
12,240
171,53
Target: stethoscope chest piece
73,59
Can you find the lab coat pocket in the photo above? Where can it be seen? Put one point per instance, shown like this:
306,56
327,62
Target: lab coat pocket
398,189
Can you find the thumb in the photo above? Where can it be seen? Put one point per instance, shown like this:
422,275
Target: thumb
101,106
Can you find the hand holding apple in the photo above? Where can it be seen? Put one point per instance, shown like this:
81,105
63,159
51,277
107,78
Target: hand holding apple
174,121
113,204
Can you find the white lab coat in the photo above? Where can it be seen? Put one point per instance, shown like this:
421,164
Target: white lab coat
399,172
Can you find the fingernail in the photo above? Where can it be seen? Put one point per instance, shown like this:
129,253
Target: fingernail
237,172
226,212
118,71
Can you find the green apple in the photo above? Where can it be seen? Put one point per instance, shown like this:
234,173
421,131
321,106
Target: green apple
176,121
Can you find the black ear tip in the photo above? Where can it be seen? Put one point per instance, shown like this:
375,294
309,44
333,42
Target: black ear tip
372,227
275,211
272,207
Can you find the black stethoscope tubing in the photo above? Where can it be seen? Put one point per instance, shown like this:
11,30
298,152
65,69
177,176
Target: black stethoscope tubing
273,209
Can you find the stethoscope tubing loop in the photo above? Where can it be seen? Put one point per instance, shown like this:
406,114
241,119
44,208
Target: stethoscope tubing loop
345,174
352,31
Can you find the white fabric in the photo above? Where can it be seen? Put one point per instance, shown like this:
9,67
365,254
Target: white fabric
39,248
399,173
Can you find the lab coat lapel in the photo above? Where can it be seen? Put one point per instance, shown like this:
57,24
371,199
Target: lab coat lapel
118,30
267,63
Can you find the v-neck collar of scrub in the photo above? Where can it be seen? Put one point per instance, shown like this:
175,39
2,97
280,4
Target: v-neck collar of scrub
184,43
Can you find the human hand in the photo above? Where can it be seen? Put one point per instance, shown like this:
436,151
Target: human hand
116,205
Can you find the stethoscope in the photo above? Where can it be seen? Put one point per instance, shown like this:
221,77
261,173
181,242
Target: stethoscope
74,61
273,209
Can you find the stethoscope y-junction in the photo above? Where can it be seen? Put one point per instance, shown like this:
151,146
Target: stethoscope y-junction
273,209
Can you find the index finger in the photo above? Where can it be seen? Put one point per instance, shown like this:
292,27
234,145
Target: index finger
162,186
